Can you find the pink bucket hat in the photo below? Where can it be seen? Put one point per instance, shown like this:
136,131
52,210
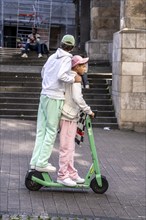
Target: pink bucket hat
79,60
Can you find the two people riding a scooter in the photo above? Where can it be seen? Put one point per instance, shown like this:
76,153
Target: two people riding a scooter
61,100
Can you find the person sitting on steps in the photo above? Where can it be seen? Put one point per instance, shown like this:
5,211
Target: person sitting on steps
33,43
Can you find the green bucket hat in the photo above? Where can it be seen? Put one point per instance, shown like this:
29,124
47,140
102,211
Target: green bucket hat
68,40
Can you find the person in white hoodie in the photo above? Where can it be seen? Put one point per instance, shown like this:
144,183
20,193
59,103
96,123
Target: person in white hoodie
55,74
74,102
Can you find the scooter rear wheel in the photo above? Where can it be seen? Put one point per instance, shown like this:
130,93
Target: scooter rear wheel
96,188
30,184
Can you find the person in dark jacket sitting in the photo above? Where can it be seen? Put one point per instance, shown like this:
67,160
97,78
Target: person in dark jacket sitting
33,42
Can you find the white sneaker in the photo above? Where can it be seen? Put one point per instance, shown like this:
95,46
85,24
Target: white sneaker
79,180
87,86
67,182
24,55
49,168
32,167
40,55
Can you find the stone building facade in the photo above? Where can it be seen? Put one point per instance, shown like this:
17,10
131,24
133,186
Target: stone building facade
105,20
118,34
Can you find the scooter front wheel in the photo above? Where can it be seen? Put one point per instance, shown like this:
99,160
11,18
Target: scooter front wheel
30,184
96,188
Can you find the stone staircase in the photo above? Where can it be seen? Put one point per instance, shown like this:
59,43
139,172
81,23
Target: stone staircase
99,98
20,86
12,56
19,94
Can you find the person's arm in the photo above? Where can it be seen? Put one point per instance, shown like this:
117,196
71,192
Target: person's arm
79,100
38,37
66,75
29,38
42,72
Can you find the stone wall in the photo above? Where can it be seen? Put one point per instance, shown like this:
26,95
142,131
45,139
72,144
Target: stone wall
104,22
133,14
129,66
129,78
128,49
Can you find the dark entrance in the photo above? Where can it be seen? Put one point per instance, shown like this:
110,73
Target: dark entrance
10,36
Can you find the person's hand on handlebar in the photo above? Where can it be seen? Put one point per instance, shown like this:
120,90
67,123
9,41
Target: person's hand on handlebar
92,115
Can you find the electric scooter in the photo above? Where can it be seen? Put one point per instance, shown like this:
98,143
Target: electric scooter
34,179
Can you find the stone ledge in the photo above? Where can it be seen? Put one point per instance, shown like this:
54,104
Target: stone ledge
128,30
13,68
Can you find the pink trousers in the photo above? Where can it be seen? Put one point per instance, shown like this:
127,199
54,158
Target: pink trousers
67,150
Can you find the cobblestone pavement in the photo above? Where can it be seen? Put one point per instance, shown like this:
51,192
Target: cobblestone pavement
122,160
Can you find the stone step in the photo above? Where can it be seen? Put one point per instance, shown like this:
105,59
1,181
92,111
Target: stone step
9,52
27,95
106,113
102,75
22,105
21,73
33,112
20,116
23,69
97,80
6,101
106,126
100,81
96,96
36,83
99,101
15,53
21,86
92,91
19,95
19,89
100,119
18,78
9,101
38,89
26,72
34,107
20,111
102,107
96,85
107,120
26,81
36,62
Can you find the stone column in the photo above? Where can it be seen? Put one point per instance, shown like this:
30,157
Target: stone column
133,14
104,22
129,66
84,23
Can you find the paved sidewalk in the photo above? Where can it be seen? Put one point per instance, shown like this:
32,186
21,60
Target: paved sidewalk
122,161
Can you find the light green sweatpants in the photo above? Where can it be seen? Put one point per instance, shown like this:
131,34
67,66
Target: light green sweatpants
48,118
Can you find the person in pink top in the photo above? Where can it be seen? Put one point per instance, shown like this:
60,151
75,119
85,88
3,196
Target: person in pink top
74,102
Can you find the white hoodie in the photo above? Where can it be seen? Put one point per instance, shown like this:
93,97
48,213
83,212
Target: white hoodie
74,101
55,73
